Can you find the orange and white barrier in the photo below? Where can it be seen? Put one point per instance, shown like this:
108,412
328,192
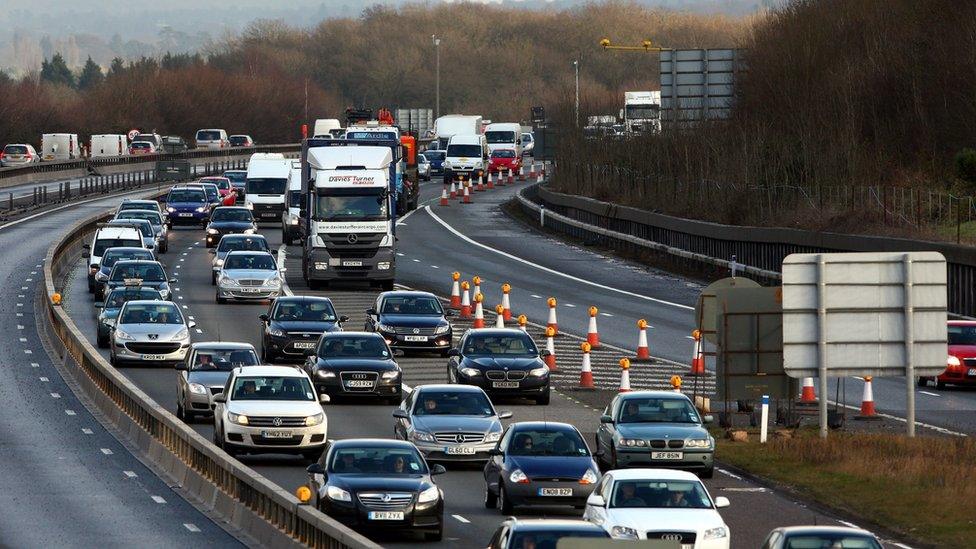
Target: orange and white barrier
552,316
479,312
465,300
643,351
455,291
444,199
624,375
808,395
586,372
867,401
506,303
551,347
697,356
499,316
592,335
522,321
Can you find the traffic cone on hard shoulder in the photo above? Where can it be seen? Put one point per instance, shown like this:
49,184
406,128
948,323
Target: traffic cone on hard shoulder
501,178
455,291
476,280
465,300
532,174
460,189
592,336
522,321
807,394
479,312
676,383
550,349
697,356
491,181
453,193
643,351
444,199
867,401
467,195
624,375
521,175
552,316
540,175
511,177
481,183
586,371
506,304
499,316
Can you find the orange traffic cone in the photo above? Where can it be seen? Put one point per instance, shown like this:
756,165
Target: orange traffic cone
481,183
540,175
467,195
697,356
676,383
552,316
808,395
499,316
453,193
479,312
521,175
506,304
592,336
511,176
643,351
444,199
551,347
586,372
455,291
491,181
867,401
624,375
532,174
465,300
522,321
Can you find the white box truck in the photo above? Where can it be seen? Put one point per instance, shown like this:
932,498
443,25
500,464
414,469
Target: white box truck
504,135
327,127
267,182
450,125
642,111
108,145
59,146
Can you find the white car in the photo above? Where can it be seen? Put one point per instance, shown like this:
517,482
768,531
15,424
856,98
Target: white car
270,409
150,332
662,504
249,276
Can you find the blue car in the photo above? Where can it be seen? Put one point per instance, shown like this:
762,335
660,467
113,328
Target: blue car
436,160
188,205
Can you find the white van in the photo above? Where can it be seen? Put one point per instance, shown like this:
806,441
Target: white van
504,135
107,145
290,219
326,127
266,185
107,237
467,156
212,139
59,146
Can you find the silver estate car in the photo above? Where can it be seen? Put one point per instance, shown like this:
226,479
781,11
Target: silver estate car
204,374
249,276
150,332
449,422
155,219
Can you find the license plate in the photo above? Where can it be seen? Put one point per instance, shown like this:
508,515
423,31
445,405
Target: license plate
560,492
459,450
505,384
268,214
385,515
972,371
304,344
415,338
352,263
250,290
667,455
154,357
276,434
186,215
359,383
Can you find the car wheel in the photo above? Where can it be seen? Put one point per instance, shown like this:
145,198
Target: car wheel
213,278
434,536
491,500
543,400
922,381
179,411
102,341
707,473
219,299
504,505
940,384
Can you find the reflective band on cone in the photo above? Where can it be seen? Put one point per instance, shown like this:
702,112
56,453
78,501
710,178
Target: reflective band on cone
586,372
481,183
506,304
624,375
501,178
551,347
808,395
479,313
521,175
552,316
697,356
499,316
539,175
511,177
592,336
444,199
522,321
643,351
467,194
455,291
453,190
465,300
532,174
867,401
476,280
491,181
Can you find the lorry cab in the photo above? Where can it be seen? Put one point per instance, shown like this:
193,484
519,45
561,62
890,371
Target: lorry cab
374,132
326,127
467,157
266,185
642,111
291,217
504,135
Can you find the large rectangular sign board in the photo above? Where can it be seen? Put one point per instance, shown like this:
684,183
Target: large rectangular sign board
697,84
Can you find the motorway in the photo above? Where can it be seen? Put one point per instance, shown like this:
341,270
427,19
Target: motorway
433,243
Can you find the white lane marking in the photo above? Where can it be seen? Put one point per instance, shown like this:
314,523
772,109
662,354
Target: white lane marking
536,296
87,431
461,519
22,296
184,253
20,304
605,314
935,428
930,394
416,261
20,326
728,473
55,395
434,267
199,331
44,379
400,254
569,305
185,307
190,317
158,499
404,218
191,527
70,412
23,340
35,365
547,269
897,544
24,287
848,524
749,489
107,451
20,314
130,474
28,352
29,280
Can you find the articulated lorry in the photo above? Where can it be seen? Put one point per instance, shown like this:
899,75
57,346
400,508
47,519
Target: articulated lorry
642,111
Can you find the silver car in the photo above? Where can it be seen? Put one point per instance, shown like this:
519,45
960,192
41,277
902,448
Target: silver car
204,374
149,239
449,422
155,219
249,276
423,167
233,243
150,332
18,154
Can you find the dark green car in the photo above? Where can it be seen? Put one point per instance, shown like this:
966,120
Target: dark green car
113,304
655,429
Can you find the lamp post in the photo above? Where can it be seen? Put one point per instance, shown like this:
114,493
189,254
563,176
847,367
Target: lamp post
437,79
576,68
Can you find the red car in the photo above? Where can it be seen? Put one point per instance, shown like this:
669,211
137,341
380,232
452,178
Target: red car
142,147
504,160
228,196
961,364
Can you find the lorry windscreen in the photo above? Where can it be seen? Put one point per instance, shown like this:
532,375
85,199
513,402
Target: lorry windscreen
266,185
350,204
500,137
643,111
455,151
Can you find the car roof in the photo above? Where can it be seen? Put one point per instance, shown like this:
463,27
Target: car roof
656,394
151,302
824,530
133,289
496,331
653,474
137,262
249,252
243,236
128,249
357,334
231,207
544,425
116,232
407,293
138,201
553,524
269,370
370,442
131,210
189,186
301,298
221,345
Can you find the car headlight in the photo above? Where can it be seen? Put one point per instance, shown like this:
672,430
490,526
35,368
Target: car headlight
119,334
248,231
623,532
170,209
953,361
518,477
391,375
337,494
202,209
325,374
182,334
100,276
197,389
470,372
384,328
422,436
293,221
312,421
493,436
429,495
716,533
249,206
631,442
698,443
273,281
219,263
541,371
228,281
213,231
442,329
589,477
239,419
275,332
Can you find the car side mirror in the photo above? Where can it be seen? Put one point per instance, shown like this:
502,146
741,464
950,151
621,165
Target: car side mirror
495,452
400,413
545,353
606,419
99,305
708,418
211,251
263,317
504,414
220,399
324,398
315,469
192,324
181,366
722,502
282,269
343,318
454,352
596,500
371,311
172,281
85,255
448,314
438,469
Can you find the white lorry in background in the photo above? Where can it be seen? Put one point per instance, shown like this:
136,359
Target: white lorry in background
642,111
266,185
450,125
467,157
108,145
351,217
59,146
504,135
291,218
327,127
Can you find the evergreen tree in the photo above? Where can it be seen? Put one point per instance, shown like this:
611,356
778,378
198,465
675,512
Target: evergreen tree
117,67
91,75
56,71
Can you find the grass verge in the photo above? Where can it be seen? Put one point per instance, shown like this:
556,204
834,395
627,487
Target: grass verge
922,487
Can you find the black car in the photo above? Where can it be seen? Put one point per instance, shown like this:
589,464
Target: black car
517,534
292,326
355,364
411,321
113,255
174,144
503,362
229,220
379,486
139,272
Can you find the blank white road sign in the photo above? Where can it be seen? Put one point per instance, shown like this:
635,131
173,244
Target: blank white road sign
864,313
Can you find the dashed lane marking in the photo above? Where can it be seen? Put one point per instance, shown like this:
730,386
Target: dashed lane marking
130,474
87,431
728,473
70,412
107,451
28,352
191,527
44,379
459,518
55,395
930,394
35,365
158,499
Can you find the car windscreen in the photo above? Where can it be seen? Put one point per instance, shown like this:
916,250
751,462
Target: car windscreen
377,461
141,145
147,138
263,262
111,256
411,305
962,335
249,244
434,155
272,388
526,138
453,403
152,217
236,177
349,346
187,195
659,494
144,228
548,442
294,199
103,244
509,345
657,410
500,136
829,541
421,159
207,135
503,153
117,298
223,360
358,204
549,538
147,272
15,149
231,214
213,195
138,206
238,140
221,182
643,111
455,151
305,311
266,185
151,313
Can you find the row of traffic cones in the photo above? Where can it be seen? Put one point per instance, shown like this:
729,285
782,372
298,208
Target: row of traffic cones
462,189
